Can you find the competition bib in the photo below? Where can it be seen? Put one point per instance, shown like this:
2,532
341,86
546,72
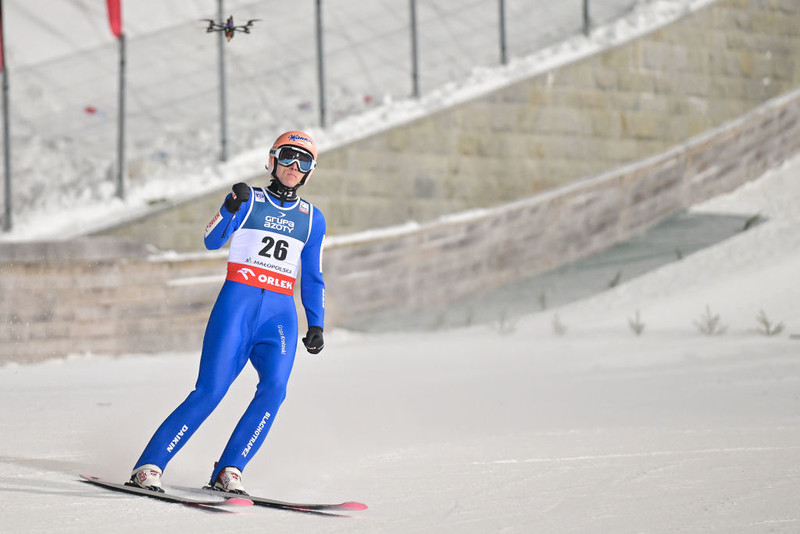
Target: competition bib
265,250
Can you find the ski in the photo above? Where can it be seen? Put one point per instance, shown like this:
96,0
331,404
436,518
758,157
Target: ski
214,505
327,508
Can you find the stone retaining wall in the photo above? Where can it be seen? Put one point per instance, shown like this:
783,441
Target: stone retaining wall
612,117
445,260
111,296
576,121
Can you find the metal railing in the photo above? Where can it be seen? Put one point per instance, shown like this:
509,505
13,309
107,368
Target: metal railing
326,60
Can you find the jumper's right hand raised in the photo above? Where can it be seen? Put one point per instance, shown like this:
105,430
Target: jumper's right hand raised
240,194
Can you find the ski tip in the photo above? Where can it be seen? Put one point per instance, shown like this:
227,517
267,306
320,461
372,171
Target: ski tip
239,501
351,505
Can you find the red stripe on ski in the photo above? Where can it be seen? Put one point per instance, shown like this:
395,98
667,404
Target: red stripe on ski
351,506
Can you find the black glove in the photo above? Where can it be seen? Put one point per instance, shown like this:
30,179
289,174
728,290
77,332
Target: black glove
241,193
313,340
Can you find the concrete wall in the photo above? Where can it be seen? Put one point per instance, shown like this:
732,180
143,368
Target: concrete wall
592,118
442,261
103,295
583,119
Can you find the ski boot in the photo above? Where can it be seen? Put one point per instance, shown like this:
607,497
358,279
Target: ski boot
146,476
229,480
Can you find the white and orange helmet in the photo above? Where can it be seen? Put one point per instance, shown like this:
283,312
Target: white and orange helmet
293,147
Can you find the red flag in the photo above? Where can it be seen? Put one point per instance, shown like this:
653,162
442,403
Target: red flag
115,17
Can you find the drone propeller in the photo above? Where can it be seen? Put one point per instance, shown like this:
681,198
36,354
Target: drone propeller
212,25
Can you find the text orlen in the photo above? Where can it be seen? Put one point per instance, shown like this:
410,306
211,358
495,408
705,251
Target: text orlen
275,282
253,439
253,276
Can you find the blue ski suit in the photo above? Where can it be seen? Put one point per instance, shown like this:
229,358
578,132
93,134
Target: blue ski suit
254,319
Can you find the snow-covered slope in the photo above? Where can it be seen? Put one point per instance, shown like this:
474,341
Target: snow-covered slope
480,429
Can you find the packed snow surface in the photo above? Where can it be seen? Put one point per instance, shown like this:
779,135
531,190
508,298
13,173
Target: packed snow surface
559,421
520,427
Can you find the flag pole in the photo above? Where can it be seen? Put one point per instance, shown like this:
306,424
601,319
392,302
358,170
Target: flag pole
115,21
121,121
7,225
223,115
320,65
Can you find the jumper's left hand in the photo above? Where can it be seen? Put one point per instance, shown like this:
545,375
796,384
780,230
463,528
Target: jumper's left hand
313,340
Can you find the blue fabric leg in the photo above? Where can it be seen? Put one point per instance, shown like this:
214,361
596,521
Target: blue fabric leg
224,355
273,358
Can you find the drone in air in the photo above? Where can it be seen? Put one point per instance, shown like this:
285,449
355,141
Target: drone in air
229,28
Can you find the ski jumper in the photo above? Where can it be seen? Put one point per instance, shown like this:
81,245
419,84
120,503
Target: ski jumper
254,319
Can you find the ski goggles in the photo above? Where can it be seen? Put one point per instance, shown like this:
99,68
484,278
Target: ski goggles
286,155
